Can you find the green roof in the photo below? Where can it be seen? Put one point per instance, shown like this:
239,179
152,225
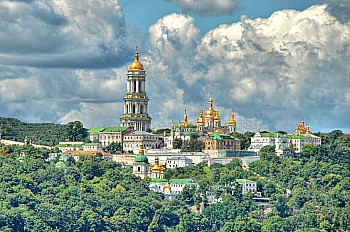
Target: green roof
90,144
274,135
158,180
141,159
222,136
271,135
115,129
95,131
297,137
69,145
244,180
181,181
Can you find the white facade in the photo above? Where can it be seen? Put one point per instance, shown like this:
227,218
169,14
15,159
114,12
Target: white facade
91,147
177,185
282,141
140,169
132,141
178,162
247,185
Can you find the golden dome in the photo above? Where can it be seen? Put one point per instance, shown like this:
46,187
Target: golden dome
232,121
136,65
210,112
185,123
156,167
167,188
307,130
219,131
200,118
217,117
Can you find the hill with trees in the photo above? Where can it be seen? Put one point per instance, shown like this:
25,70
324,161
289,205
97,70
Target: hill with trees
41,133
307,193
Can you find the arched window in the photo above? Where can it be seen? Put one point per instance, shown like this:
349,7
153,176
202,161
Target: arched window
133,109
138,169
141,109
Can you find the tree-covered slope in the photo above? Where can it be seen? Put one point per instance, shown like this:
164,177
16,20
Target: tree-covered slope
41,133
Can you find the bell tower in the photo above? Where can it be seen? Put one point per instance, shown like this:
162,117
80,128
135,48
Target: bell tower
136,101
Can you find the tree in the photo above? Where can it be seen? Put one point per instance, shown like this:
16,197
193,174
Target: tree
267,153
113,148
76,131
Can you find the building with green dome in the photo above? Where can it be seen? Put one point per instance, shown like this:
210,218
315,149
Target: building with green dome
141,164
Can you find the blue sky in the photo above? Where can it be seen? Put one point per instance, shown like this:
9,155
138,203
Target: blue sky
271,62
144,13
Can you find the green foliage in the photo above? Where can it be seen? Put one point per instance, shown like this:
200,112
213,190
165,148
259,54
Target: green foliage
244,138
113,148
310,193
42,133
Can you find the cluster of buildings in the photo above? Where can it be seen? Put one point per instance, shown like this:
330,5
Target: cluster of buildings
218,139
285,143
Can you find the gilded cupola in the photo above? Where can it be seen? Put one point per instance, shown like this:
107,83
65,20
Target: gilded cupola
210,112
185,116
232,121
200,120
136,64
217,117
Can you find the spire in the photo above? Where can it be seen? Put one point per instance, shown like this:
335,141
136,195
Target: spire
136,65
141,151
185,116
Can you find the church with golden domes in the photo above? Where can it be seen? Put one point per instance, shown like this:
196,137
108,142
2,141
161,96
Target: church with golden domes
136,101
143,169
208,123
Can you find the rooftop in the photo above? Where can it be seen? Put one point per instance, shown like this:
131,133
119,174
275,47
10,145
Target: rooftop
244,181
181,181
95,131
222,136
141,133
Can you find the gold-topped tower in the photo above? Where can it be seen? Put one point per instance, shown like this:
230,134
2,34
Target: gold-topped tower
136,65
136,101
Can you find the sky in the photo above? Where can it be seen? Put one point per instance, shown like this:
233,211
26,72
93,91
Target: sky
271,62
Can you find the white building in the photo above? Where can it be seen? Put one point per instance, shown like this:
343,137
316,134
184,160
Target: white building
283,141
91,147
177,185
247,185
107,135
133,140
178,162
70,146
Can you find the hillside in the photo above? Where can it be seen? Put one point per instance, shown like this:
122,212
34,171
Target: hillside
41,133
